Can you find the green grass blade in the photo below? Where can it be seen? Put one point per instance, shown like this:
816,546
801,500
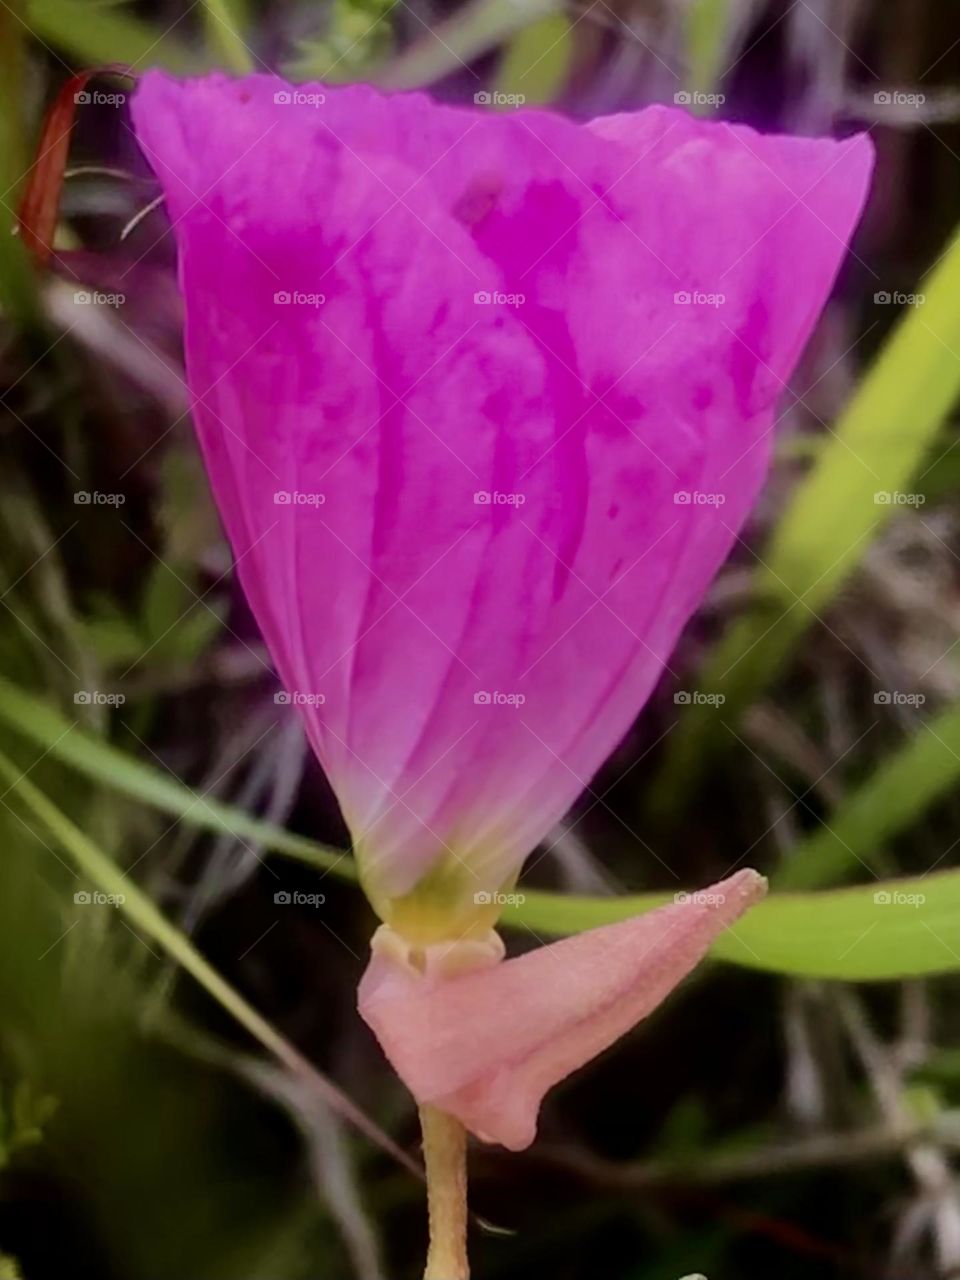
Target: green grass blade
537,61
17,295
706,41
94,35
474,30
785,934
113,768
925,769
148,922
879,446
852,935
224,23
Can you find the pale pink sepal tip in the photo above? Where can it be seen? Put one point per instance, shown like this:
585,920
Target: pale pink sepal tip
485,1045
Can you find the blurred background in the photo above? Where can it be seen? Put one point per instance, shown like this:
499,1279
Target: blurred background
185,1087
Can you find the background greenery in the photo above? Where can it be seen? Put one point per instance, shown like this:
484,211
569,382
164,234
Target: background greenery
185,1087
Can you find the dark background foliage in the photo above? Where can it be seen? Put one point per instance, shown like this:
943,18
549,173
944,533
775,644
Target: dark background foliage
758,1124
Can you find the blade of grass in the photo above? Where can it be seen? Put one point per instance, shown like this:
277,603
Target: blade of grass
474,30
223,20
925,769
705,28
96,34
872,933
147,920
16,279
537,60
901,789
108,765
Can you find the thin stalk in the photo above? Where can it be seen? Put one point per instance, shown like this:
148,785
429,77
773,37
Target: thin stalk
445,1158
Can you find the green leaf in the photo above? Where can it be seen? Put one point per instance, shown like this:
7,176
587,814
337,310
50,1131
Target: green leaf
30,1112
178,621
95,35
137,907
108,765
224,20
17,294
357,36
878,447
925,769
474,30
876,932
147,921
113,638
843,934
536,63
706,31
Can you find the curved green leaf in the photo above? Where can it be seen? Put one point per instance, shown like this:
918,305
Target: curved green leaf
106,764
97,34
844,933
537,61
876,932
148,921
474,29
925,769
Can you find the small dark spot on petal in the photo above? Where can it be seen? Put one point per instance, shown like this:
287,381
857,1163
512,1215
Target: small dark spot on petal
612,513
478,200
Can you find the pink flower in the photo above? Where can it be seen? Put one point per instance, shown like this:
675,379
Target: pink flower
483,1040
484,399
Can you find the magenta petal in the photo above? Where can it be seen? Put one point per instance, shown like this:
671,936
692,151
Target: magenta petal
470,664
487,1044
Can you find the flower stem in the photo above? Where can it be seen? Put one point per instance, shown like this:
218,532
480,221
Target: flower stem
445,1157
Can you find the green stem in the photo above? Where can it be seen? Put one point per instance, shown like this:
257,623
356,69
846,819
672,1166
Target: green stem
445,1158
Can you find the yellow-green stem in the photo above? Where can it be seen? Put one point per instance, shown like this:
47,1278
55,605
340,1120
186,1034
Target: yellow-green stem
445,1158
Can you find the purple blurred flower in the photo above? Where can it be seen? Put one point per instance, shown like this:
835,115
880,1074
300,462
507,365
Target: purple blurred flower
484,399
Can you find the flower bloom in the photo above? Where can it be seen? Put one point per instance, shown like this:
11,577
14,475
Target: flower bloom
484,1041
484,399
